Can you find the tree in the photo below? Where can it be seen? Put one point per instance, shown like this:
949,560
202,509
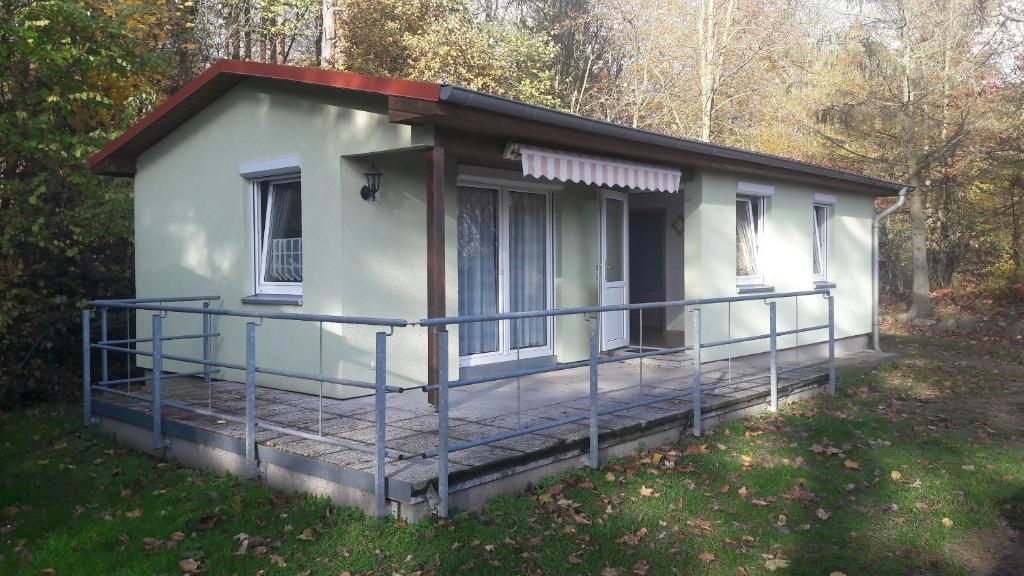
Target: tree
911,76
71,74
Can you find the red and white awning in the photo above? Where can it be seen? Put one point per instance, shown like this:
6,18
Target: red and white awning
571,167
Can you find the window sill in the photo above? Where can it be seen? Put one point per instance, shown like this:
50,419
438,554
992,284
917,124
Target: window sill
823,285
754,288
273,299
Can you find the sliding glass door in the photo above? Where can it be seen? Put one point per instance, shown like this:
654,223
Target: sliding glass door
504,266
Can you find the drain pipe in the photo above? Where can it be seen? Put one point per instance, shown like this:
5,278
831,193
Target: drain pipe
875,280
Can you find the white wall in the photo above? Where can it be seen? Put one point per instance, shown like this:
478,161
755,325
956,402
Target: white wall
711,261
193,228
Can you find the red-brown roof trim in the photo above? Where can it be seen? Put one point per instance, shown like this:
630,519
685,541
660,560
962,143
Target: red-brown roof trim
118,157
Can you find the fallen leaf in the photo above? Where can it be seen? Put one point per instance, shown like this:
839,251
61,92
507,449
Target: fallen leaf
706,557
695,449
823,514
895,475
645,491
641,567
776,563
306,534
574,559
609,571
137,513
851,464
947,522
836,573
188,565
277,561
177,537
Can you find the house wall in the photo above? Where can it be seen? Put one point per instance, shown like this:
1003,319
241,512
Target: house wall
710,265
577,249
193,236
193,229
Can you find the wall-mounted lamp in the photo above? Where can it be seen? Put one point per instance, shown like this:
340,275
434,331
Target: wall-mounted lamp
369,191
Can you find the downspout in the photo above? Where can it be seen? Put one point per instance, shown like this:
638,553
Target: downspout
875,283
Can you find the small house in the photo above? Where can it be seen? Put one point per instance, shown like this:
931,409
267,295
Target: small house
282,188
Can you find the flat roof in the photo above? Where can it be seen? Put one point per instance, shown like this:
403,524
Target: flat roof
118,157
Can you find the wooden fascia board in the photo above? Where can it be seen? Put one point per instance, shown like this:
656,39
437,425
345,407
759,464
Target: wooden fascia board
468,120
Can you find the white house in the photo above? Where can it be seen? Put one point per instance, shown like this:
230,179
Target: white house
251,183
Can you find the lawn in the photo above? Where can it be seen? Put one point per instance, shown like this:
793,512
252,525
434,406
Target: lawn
914,468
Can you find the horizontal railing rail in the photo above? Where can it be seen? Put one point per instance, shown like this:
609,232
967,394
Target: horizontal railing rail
689,357
268,315
615,308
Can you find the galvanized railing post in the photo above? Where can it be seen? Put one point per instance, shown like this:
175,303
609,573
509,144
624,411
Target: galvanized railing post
207,347
86,370
104,373
250,400
158,371
831,344
442,422
773,358
380,411
698,419
595,456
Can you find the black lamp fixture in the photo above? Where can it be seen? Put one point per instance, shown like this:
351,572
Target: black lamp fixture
369,191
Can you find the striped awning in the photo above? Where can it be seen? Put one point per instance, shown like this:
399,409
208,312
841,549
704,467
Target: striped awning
572,167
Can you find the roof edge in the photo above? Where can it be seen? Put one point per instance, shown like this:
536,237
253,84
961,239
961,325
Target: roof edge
107,161
500,105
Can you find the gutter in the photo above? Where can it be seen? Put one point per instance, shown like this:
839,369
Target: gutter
875,280
508,107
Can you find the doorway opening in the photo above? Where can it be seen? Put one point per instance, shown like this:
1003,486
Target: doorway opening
648,278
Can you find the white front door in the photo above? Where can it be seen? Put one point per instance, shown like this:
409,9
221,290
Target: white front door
614,268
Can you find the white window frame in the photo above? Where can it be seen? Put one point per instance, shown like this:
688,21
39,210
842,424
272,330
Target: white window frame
821,240
505,186
759,242
259,239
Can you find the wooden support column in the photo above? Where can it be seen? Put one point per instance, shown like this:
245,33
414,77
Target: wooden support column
435,259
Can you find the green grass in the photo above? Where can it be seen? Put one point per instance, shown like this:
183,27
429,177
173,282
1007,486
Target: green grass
78,503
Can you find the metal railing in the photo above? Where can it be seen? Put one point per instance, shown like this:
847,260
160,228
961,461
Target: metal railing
161,307
596,359
210,366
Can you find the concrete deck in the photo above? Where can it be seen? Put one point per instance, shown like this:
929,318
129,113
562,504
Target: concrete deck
476,412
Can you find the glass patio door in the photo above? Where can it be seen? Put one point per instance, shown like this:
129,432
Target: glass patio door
504,266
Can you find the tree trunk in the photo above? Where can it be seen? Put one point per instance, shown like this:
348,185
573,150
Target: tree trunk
706,43
328,36
921,303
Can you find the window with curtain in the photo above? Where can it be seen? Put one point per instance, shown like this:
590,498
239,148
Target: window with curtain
820,242
749,225
478,267
504,266
278,236
527,259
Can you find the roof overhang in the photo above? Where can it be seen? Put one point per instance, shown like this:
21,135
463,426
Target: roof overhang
118,157
471,112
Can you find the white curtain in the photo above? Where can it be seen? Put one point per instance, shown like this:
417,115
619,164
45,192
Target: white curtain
527,230
746,237
478,268
820,216
284,237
